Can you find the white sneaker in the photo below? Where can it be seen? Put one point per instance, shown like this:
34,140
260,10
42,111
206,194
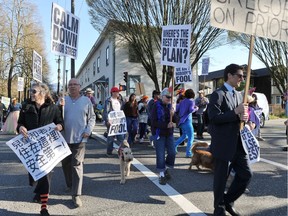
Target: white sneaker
141,140
77,201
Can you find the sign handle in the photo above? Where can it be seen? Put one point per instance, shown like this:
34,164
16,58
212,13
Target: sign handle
248,74
172,94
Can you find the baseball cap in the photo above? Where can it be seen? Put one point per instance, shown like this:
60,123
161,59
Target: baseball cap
114,89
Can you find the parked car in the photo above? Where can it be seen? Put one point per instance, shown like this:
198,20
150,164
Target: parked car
261,101
263,104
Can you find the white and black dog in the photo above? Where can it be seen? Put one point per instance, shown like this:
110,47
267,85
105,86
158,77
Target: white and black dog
125,158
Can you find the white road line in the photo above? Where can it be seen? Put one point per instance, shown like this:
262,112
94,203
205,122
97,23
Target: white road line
179,199
274,163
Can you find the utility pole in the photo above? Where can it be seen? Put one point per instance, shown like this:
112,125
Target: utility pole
72,60
66,81
58,85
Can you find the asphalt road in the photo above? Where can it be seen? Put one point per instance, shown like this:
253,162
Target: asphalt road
188,192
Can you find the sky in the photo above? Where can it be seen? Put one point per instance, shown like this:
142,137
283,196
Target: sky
219,57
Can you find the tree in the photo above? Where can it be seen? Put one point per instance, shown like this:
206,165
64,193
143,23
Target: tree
140,23
20,34
273,54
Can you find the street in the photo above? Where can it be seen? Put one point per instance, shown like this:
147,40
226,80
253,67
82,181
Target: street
187,193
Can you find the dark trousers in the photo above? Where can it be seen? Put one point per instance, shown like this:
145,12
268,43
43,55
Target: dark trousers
200,125
42,185
72,167
142,129
241,180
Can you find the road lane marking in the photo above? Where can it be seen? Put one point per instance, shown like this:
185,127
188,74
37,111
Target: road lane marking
274,163
178,198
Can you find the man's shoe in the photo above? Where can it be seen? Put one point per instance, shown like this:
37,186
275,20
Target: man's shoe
167,175
44,212
284,148
141,140
77,201
162,180
232,211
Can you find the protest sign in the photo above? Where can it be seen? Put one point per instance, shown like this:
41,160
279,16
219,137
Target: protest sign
175,45
20,84
263,18
250,145
64,32
205,66
5,101
117,122
140,88
37,66
41,151
183,75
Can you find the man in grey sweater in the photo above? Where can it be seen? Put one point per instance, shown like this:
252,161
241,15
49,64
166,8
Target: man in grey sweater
79,121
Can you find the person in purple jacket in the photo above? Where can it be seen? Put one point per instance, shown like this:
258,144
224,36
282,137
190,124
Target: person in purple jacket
185,108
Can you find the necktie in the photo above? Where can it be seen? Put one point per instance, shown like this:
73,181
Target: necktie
234,98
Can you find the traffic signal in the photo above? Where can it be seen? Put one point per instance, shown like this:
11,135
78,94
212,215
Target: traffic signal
125,77
122,87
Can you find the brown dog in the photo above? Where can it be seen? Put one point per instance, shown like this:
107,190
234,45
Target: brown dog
201,156
125,158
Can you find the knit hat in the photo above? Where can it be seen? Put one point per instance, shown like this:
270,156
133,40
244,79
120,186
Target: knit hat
145,97
166,92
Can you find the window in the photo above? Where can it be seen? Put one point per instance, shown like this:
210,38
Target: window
107,56
98,64
94,68
278,100
131,84
133,57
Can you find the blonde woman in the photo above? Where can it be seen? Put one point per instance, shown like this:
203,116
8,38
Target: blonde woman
38,112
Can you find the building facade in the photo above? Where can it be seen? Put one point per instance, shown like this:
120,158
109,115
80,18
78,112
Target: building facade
105,64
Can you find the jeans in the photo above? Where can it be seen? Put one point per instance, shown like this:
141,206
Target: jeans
72,167
160,145
110,140
187,131
132,127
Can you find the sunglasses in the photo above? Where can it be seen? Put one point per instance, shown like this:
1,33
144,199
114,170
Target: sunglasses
33,91
240,76
167,96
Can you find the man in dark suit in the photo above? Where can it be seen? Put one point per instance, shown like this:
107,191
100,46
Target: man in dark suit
225,112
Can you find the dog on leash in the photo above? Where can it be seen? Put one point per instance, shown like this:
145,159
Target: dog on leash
125,158
201,156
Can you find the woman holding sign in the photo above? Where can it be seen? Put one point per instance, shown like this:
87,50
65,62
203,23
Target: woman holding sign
38,112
